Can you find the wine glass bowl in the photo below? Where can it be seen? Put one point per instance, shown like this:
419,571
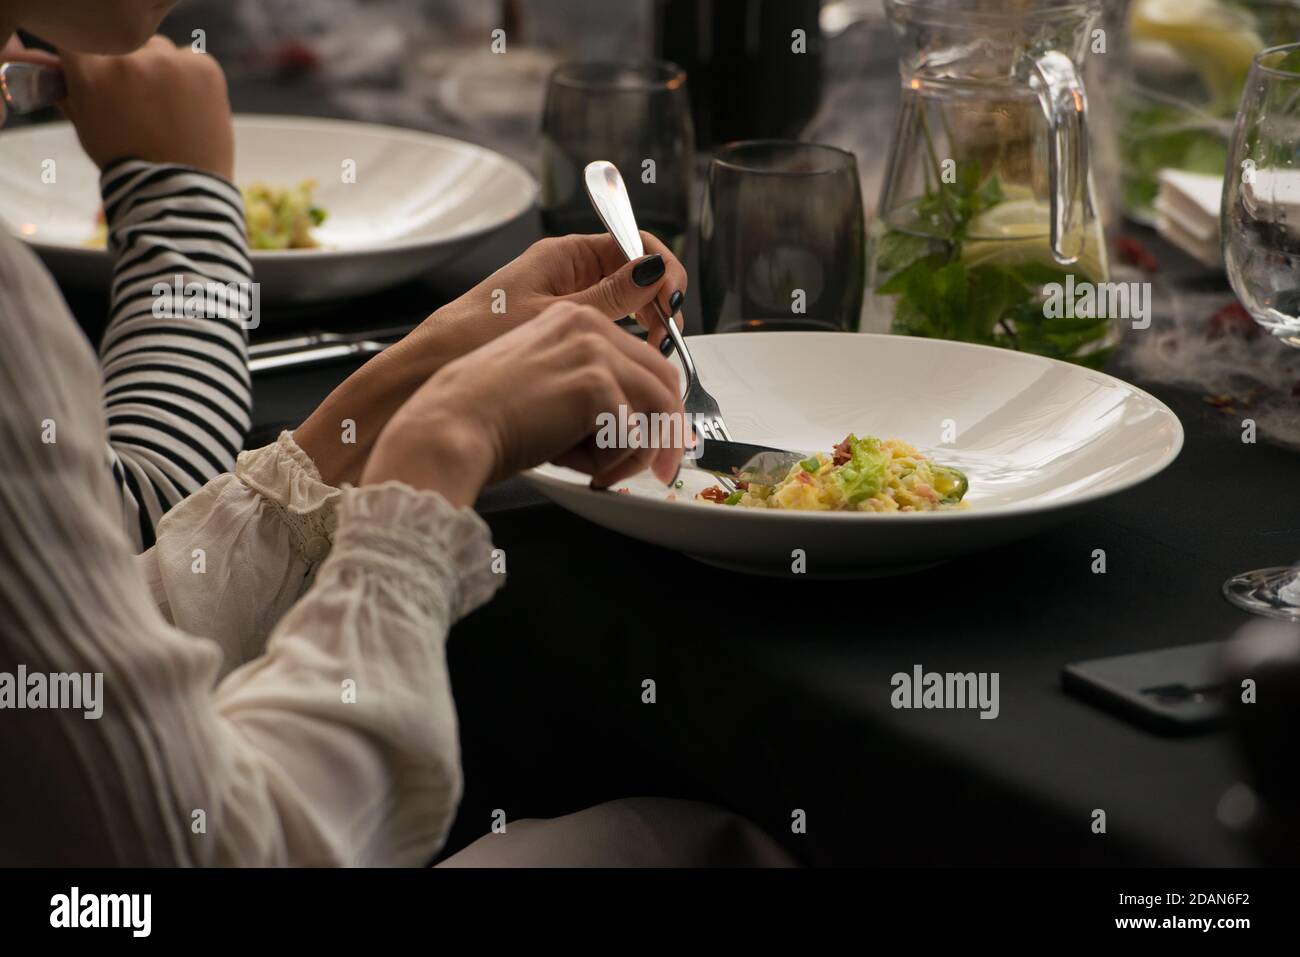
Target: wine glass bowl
1261,199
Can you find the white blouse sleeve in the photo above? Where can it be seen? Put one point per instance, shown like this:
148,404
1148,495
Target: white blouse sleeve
232,558
343,734
336,745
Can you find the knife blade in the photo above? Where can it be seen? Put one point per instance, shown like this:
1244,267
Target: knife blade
270,347
314,355
757,464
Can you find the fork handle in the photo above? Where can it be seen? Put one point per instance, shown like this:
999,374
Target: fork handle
679,343
608,195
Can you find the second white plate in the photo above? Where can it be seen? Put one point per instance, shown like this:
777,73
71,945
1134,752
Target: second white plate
416,201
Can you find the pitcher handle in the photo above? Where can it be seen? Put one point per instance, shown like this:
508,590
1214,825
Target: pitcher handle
1060,91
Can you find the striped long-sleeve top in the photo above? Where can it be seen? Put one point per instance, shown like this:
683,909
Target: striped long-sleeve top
177,392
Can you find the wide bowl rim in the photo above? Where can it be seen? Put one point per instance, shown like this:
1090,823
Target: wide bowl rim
543,481
528,196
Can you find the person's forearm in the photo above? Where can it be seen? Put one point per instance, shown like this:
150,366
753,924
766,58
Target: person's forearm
340,435
177,390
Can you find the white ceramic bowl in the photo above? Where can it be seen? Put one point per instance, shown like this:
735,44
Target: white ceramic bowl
1038,439
417,201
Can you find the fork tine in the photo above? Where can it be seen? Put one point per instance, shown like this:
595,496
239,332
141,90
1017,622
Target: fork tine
721,428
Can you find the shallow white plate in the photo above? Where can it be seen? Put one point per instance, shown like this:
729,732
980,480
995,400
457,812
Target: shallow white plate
1037,438
418,200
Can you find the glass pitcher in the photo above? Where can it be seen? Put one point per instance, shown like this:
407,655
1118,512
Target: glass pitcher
987,228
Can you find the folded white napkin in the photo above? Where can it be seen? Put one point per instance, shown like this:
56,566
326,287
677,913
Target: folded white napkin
1187,207
1273,195
1187,213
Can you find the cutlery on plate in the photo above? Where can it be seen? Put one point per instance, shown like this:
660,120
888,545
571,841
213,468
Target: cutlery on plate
755,464
608,195
25,87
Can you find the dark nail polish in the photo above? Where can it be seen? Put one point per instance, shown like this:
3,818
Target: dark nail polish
675,303
666,347
648,271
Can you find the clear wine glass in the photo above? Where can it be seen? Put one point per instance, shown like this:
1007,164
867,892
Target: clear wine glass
1261,248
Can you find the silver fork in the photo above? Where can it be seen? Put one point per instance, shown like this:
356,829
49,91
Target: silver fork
609,196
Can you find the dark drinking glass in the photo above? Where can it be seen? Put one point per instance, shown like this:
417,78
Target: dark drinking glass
781,238
636,117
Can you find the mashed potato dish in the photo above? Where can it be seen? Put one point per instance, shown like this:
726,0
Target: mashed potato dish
860,475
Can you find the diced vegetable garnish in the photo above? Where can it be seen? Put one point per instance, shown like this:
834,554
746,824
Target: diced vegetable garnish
950,483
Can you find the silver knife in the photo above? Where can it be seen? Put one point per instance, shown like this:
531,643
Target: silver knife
318,348
316,355
308,340
25,87
757,464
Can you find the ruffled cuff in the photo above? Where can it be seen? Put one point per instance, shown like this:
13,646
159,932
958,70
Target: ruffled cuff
421,541
284,475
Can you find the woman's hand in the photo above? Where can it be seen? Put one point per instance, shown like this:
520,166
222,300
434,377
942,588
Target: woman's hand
586,270
574,270
160,103
534,395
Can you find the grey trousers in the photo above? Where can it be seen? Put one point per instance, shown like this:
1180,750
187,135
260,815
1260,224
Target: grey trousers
635,832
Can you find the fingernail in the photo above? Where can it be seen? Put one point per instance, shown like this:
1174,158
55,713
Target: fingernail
666,347
675,302
648,271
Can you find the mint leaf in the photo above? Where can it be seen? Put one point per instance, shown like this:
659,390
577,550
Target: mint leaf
902,280
990,193
943,296
994,293
899,250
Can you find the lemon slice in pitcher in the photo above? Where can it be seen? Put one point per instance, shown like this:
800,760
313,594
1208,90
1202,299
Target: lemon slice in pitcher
1018,232
1217,40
